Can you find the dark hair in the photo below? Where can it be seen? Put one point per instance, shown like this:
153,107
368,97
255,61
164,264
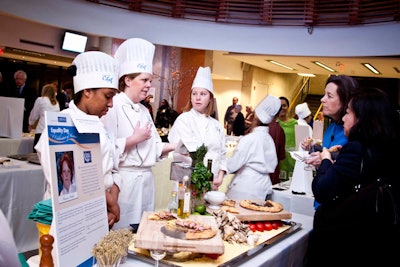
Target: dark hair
377,121
346,88
285,99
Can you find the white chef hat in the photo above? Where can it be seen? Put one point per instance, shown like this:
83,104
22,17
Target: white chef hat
302,110
135,55
95,69
268,108
203,79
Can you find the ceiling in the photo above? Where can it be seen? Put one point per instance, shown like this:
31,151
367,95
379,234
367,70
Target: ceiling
352,66
389,67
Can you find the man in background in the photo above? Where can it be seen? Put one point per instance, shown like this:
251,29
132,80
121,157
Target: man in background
24,91
229,118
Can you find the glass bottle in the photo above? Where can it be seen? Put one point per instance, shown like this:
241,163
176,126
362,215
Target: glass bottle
209,167
173,204
184,198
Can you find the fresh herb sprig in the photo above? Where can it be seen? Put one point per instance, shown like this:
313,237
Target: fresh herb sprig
200,178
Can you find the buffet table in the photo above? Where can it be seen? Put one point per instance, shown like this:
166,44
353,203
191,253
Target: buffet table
13,146
20,188
288,252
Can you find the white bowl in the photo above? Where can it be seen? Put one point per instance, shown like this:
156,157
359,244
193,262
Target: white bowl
215,198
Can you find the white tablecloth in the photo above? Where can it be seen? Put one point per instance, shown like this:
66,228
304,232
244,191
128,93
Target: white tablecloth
302,204
20,189
13,146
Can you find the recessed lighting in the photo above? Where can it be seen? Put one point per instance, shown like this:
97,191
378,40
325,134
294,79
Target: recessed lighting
371,68
280,64
306,74
323,66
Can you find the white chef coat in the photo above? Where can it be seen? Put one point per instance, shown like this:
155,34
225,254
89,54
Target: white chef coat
304,122
204,129
253,160
42,104
137,191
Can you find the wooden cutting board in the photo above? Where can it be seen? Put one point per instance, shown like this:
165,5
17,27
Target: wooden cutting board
252,215
149,236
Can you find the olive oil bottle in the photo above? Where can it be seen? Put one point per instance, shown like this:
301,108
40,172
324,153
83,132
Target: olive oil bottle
184,198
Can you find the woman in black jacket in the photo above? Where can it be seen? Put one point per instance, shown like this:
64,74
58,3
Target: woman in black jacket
357,221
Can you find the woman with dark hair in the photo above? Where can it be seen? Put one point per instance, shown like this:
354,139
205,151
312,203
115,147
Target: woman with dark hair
163,117
357,222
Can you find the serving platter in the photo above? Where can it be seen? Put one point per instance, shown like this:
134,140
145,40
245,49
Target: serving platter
234,255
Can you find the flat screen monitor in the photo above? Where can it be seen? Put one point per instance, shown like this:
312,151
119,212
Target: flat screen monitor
74,42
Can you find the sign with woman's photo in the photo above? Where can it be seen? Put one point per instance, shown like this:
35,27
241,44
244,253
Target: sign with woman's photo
78,195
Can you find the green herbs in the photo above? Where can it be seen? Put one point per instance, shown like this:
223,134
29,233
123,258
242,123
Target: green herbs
198,155
200,179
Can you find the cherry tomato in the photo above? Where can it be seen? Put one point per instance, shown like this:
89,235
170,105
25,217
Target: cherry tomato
280,223
267,226
275,225
252,227
260,226
212,255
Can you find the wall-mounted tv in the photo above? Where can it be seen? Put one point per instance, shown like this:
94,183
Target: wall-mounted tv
74,42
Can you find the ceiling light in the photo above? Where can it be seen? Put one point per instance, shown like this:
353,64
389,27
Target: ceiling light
323,66
371,68
280,64
306,74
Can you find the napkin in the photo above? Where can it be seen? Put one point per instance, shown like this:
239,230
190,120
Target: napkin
42,212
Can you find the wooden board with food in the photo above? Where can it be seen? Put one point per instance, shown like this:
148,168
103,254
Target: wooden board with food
255,210
197,238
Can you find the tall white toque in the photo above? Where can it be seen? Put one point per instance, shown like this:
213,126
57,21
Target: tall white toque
135,55
203,79
95,69
268,108
302,110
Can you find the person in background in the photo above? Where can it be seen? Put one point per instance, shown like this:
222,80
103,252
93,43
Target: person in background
255,157
248,119
47,102
67,174
94,96
138,143
338,90
24,91
146,102
278,135
238,124
196,123
304,116
356,218
3,89
229,117
64,96
287,124
164,116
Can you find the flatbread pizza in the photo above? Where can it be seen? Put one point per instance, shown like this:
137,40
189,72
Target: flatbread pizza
268,206
193,230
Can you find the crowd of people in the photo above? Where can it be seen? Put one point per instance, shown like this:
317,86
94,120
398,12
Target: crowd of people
350,187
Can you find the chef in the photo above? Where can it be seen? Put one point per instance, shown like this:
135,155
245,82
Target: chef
255,156
138,144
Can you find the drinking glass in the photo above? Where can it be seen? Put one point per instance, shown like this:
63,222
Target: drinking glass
157,255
